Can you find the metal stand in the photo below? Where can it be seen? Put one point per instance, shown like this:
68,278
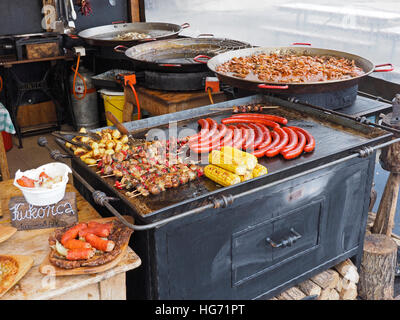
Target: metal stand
57,69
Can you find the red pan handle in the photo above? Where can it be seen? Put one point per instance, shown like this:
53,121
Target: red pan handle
185,25
118,22
268,86
120,48
169,65
200,57
383,65
301,44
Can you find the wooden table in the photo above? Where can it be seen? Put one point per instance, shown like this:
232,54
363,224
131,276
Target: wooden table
108,285
158,102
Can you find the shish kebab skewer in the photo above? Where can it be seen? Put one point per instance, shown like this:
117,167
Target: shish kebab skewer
246,108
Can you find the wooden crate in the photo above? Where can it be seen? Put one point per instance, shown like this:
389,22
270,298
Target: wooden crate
38,114
42,50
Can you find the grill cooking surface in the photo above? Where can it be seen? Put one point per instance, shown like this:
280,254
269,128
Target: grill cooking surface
335,137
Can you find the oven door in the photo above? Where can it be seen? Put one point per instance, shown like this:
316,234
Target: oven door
269,242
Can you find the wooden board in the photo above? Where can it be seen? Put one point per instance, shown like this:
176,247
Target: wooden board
36,286
44,267
158,102
6,232
25,216
24,264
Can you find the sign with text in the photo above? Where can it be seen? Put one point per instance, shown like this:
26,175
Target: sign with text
25,216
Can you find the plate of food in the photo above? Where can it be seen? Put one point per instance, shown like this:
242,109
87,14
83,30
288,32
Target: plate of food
12,269
87,247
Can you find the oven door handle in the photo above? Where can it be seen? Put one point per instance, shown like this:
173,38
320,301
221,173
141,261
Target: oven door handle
287,242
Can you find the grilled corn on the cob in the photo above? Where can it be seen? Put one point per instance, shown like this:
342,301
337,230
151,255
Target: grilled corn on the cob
221,176
250,160
227,162
259,170
247,176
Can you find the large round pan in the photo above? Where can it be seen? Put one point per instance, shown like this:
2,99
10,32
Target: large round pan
308,87
179,55
105,35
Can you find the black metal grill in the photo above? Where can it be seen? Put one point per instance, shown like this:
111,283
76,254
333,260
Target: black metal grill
254,239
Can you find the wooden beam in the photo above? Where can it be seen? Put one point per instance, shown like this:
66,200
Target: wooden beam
134,10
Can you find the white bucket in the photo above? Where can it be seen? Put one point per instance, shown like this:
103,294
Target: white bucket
44,196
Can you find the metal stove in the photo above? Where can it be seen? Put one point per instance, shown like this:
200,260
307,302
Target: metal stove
206,242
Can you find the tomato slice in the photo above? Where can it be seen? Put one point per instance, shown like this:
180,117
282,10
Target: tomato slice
43,175
26,182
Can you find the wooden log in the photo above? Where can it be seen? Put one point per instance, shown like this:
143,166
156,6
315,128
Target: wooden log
310,288
384,220
325,294
339,285
348,270
334,295
293,293
377,269
327,279
349,290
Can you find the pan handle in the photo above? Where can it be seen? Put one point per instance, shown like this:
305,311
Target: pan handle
383,65
205,35
118,22
268,86
301,44
120,48
169,65
146,40
185,25
200,57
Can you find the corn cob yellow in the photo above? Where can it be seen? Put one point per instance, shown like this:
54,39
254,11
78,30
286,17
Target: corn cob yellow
259,170
221,176
225,161
250,160
247,176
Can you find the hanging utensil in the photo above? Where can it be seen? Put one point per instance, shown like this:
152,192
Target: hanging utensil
73,13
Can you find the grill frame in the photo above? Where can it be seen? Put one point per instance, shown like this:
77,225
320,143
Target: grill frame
285,168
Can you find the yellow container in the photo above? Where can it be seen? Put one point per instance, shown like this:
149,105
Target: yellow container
114,104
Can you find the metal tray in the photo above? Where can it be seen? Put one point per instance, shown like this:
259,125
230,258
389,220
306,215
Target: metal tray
335,137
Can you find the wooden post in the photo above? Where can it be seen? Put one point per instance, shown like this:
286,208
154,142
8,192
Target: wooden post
384,220
377,269
390,161
5,173
135,10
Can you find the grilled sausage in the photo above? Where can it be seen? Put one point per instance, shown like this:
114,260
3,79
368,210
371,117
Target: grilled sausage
293,139
275,141
294,153
278,119
284,138
310,145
